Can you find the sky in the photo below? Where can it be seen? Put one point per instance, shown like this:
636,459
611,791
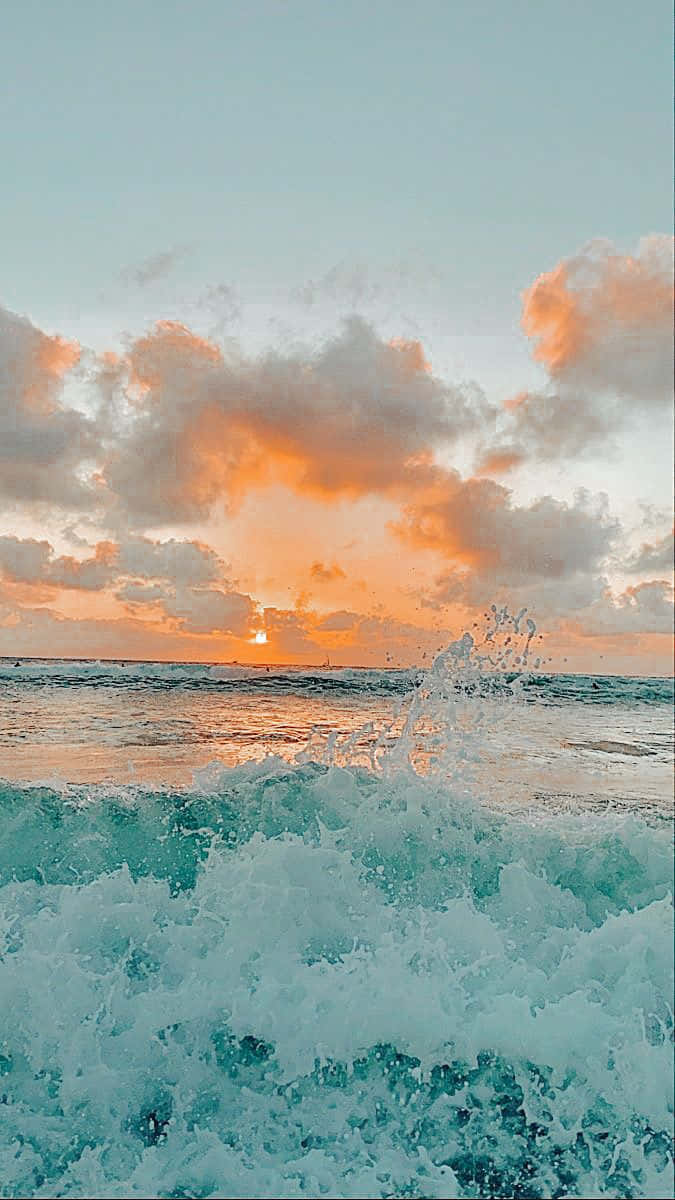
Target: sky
324,327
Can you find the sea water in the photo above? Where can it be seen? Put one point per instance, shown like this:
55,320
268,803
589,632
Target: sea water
302,933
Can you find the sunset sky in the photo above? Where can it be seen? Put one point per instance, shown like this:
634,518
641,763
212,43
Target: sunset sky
325,326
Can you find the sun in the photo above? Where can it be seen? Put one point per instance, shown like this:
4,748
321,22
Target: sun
259,638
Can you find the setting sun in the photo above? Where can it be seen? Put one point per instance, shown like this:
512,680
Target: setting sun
259,638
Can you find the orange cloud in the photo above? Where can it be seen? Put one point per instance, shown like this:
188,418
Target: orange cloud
170,349
552,314
344,420
474,522
573,309
602,325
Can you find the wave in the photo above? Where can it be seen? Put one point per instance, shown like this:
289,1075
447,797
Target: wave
534,687
307,980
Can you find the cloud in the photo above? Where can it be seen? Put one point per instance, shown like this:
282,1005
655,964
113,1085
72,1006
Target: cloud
601,323
499,460
41,631
348,636
548,598
343,420
550,556
202,633
133,592
583,603
154,267
211,610
44,445
645,608
338,622
28,561
186,594
476,523
324,574
546,426
289,633
190,569
181,562
187,571
604,320
74,539
652,556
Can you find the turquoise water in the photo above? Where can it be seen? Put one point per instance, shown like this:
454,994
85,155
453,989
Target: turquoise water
300,978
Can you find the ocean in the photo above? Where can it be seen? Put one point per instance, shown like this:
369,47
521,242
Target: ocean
322,932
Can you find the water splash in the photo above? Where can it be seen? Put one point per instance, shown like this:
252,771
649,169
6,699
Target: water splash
442,725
